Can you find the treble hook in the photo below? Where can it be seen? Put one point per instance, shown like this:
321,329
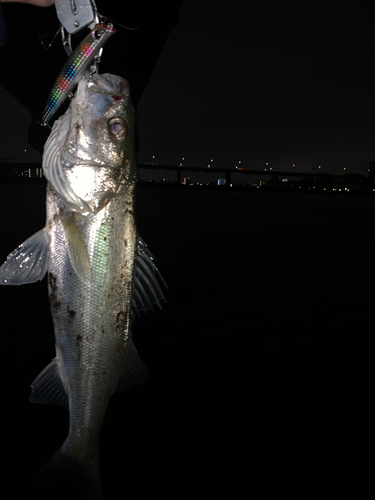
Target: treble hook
66,41
95,65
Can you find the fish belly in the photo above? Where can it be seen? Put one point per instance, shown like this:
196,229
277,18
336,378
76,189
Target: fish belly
91,317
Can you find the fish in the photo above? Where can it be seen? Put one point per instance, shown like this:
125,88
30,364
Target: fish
101,273
76,65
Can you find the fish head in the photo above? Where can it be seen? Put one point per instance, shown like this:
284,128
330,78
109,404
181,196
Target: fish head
102,123
91,154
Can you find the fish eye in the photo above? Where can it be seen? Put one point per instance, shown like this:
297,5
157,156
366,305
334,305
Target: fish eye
97,34
118,128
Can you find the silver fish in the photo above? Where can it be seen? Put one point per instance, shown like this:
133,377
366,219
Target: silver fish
100,272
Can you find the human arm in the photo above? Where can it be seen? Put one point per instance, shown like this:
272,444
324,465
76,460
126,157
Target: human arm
38,3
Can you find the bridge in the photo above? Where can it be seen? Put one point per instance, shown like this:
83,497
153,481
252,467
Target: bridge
275,174
32,168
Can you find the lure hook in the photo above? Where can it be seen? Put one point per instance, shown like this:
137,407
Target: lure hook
95,65
66,41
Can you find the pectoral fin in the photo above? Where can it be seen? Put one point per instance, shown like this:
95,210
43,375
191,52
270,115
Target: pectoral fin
28,262
77,250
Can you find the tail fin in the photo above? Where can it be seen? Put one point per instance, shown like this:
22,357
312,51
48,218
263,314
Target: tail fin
84,475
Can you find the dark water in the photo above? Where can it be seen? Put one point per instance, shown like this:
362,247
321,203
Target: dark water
257,362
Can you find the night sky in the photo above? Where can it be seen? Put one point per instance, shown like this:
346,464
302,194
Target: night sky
281,82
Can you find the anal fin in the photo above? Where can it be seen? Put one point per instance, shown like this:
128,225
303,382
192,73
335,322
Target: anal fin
48,388
134,372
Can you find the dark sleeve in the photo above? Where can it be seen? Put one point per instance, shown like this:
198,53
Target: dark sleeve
3,29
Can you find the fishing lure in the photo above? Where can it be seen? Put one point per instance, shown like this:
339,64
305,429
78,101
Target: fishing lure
80,60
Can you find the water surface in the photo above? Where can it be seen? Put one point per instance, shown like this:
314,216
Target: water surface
261,346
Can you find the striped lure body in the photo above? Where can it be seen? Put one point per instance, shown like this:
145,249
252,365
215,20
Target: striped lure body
80,60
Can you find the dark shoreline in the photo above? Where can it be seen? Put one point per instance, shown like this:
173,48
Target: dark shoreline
173,186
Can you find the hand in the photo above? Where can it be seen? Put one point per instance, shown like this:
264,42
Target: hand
38,3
